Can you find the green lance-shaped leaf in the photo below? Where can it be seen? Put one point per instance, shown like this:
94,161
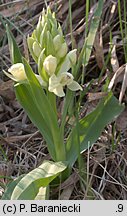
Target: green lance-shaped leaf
91,126
10,187
25,97
28,187
15,53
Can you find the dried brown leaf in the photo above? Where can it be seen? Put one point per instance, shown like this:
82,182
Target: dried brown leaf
99,54
118,77
96,96
114,59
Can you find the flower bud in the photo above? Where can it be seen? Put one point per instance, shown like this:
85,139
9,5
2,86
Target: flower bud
62,51
57,42
50,64
18,71
36,49
72,56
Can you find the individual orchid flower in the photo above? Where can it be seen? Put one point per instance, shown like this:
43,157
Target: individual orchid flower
57,83
17,72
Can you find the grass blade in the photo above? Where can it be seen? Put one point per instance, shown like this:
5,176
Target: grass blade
88,44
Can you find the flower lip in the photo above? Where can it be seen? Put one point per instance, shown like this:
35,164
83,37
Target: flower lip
66,78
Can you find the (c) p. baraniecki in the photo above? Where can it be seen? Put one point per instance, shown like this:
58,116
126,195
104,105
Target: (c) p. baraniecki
50,52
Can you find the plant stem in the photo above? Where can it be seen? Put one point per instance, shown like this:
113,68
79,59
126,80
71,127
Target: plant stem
58,140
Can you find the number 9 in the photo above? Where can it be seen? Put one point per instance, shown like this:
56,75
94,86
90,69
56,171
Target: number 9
120,207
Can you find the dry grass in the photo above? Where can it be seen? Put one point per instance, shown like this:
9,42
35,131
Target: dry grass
21,145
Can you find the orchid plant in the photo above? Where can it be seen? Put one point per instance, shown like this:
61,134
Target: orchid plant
38,94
